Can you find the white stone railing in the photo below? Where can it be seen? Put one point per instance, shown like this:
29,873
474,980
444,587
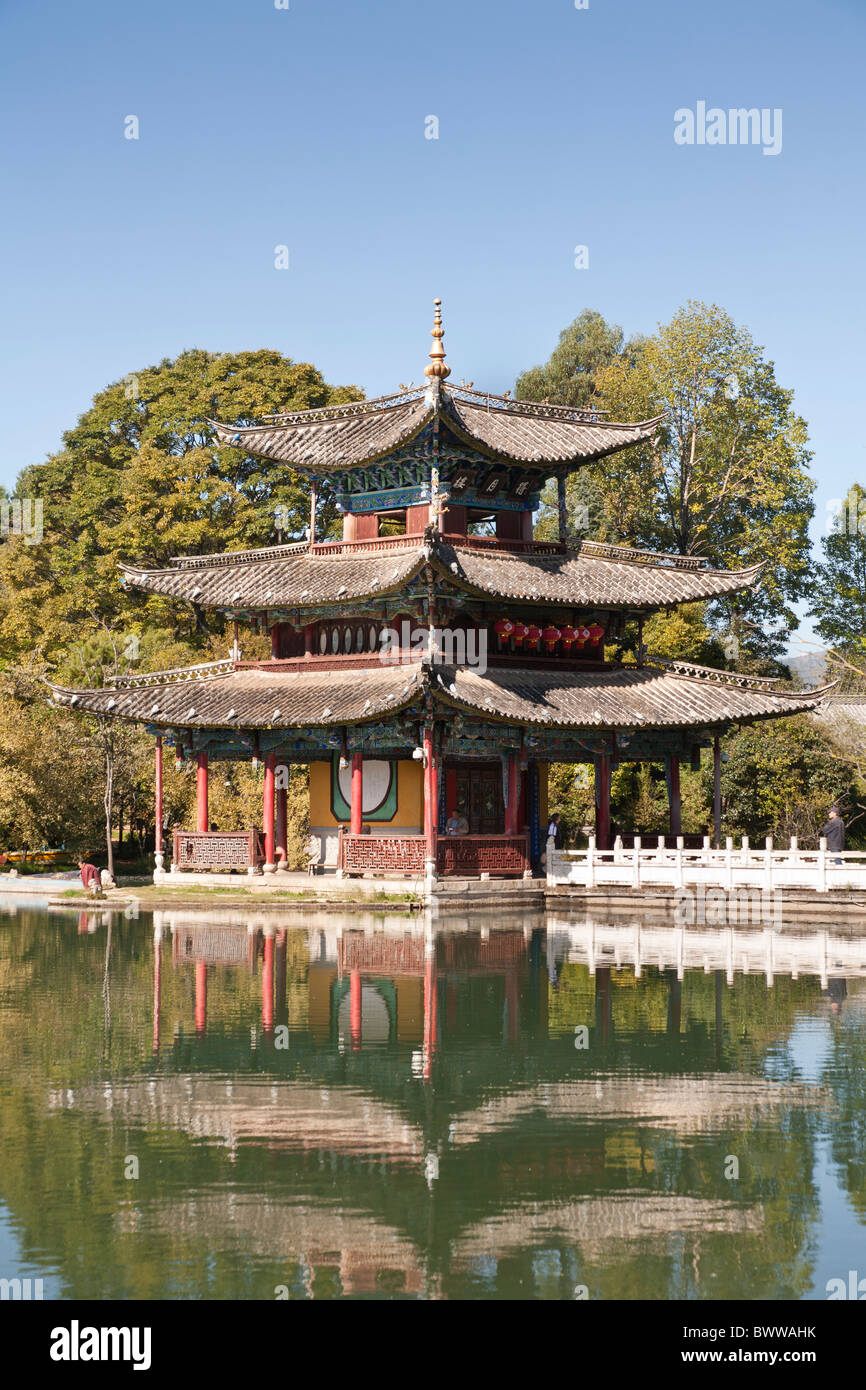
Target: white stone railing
741,867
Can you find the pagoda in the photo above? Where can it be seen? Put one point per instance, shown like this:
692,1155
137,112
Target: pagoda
433,662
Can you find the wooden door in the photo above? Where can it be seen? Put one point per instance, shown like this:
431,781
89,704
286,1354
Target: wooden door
479,798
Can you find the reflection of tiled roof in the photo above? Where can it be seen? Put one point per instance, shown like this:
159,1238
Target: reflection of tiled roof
336,438
294,576
621,698
225,696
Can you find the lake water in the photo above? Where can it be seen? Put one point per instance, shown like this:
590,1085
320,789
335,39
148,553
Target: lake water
228,1106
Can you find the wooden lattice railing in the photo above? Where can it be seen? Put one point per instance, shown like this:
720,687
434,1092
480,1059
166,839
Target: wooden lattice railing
209,850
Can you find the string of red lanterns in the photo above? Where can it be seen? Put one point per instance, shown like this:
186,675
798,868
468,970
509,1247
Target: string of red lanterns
531,635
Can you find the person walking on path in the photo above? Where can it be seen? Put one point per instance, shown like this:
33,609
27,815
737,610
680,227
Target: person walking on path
834,832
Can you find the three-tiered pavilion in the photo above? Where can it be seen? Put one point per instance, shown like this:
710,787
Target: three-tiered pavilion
433,662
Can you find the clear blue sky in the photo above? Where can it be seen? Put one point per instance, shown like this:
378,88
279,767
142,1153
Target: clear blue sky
305,127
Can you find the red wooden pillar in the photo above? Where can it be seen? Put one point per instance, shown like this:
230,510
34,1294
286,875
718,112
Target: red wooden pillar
268,984
512,810
201,792
282,826
674,799
431,798
602,800
275,641
309,630
268,812
717,793
357,802
157,842
200,995
355,1007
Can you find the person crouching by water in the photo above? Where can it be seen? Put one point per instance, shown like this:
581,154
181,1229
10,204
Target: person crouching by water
834,832
91,878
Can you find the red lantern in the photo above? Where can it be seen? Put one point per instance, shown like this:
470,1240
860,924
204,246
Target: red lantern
518,633
533,633
567,636
580,636
503,629
595,634
550,636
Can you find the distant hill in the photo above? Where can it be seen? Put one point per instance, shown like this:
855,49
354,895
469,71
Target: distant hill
811,668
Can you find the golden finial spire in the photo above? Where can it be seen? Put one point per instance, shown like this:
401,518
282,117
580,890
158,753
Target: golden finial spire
437,367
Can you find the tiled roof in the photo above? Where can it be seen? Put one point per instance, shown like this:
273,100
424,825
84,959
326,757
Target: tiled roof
622,698
294,576
222,696
529,433
614,579
336,438
288,576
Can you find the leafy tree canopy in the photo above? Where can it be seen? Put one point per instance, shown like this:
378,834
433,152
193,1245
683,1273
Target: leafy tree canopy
140,477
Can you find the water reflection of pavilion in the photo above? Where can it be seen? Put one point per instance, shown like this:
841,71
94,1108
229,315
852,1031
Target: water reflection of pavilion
396,1160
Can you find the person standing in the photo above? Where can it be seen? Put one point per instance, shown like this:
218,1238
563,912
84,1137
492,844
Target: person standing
554,831
834,832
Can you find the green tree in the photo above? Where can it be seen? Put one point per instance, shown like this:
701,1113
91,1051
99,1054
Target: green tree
140,477
838,589
569,377
727,478
781,778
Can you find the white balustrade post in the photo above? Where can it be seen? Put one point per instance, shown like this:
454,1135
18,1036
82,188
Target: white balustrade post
635,872
660,851
768,863
678,869
822,865
617,850
795,857
729,856
590,862
705,857
744,847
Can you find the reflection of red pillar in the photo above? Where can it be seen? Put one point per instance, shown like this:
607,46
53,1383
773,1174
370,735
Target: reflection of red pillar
357,806
282,832
268,984
201,792
355,1007
676,817
281,1013
157,989
268,808
431,1019
157,844
200,995
511,810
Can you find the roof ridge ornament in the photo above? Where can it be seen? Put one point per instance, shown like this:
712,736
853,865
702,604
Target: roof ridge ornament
437,369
